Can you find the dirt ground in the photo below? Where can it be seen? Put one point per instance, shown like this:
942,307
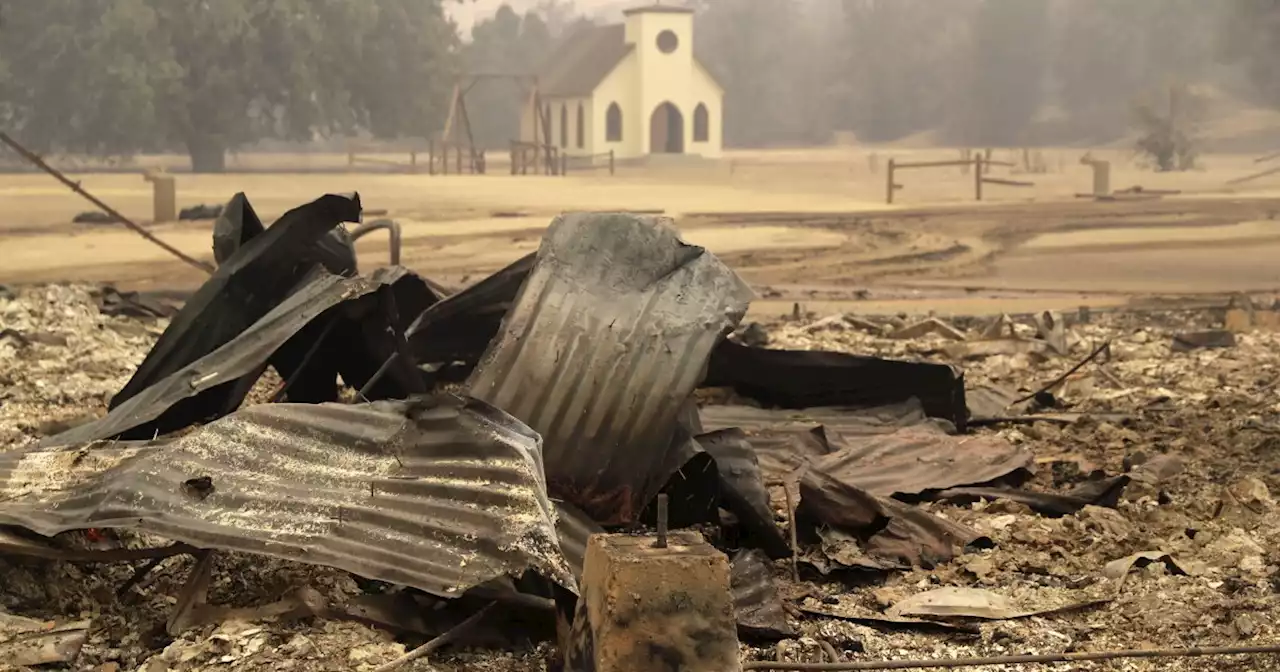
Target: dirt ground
809,230
807,226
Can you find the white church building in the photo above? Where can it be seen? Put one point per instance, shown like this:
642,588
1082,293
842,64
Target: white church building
633,88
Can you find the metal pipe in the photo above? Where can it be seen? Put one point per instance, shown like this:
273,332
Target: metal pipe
392,228
662,522
75,186
1012,660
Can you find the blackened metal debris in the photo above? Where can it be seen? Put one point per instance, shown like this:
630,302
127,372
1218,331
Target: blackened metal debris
112,301
606,341
252,281
438,493
1104,492
237,224
804,379
894,533
460,327
180,399
742,489
756,603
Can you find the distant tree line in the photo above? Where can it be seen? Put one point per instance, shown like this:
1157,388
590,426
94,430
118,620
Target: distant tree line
123,76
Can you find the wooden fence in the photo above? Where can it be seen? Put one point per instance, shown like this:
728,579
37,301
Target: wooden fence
980,165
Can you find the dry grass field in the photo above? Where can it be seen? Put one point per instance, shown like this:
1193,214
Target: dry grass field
808,226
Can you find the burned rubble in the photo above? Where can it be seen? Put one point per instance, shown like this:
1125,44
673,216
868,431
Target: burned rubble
314,466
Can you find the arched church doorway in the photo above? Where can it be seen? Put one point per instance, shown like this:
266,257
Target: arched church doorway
666,130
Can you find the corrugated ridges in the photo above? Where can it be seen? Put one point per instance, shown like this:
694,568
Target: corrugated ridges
609,336
915,459
574,528
886,451
847,421
441,494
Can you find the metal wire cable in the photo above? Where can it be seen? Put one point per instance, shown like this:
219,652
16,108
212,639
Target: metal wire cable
1013,660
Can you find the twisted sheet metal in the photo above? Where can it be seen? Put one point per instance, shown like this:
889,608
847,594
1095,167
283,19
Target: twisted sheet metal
438,493
893,450
608,337
239,357
756,603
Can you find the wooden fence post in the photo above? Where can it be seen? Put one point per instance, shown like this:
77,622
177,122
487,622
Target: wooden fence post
891,187
611,162
978,169
564,164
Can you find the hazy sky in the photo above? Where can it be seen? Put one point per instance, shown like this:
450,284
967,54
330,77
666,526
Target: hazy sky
465,13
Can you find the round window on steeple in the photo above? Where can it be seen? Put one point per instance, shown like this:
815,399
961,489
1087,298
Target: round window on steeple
667,41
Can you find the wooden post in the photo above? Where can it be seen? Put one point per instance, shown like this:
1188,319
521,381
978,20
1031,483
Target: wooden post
431,157
978,169
891,186
413,161
611,162
458,153
564,164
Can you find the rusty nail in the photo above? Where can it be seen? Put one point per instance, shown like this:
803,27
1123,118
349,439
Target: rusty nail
662,522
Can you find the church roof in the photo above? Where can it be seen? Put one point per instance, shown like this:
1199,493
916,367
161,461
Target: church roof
658,9
583,60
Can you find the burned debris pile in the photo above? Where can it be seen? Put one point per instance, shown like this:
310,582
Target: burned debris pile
464,446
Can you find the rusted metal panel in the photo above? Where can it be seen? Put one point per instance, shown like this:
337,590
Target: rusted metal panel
609,336
438,493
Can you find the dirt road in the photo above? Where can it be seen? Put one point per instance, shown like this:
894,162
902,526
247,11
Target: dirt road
795,237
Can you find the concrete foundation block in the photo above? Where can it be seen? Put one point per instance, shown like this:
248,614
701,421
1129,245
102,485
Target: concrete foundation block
648,609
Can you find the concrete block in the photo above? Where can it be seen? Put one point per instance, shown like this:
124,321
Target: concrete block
649,609
164,192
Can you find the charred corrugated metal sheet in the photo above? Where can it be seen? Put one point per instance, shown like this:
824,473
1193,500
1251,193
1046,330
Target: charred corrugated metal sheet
846,421
742,489
242,357
807,379
914,460
438,493
1105,492
235,227
893,450
574,528
252,281
460,327
917,537
608,338
893,532
756,604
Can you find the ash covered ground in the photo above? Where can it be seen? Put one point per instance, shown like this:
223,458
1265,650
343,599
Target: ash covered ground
1198,430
